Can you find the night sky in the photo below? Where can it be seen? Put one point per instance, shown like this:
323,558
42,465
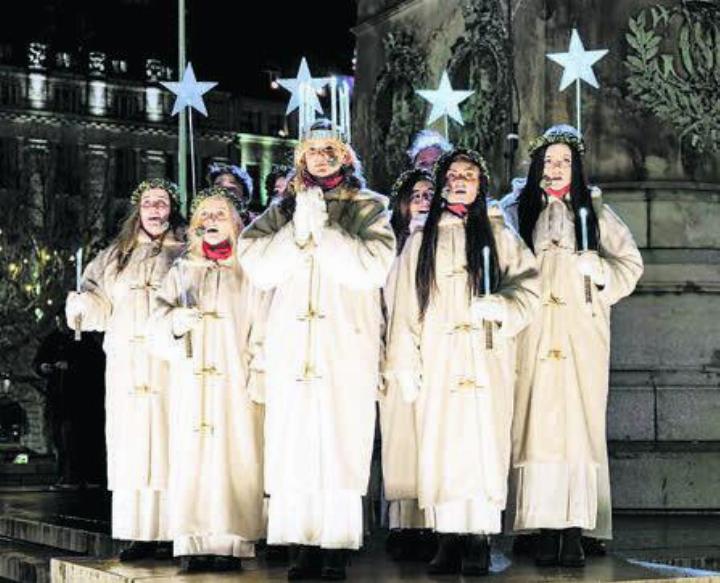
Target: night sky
219,43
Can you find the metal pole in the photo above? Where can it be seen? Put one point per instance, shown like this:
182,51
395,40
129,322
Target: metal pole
182,125
578,106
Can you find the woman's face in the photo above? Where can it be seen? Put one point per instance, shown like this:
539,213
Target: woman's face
324,158
557,170
216,221
462,182
421,197
155,211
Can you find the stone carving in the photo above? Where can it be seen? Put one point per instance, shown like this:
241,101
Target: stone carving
482,61
680,86
397,111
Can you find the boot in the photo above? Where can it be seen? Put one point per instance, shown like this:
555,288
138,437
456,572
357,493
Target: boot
476,556
394,544
572,554
448,556
138,550
334,564
164,550
594,547
305,563
196,563
427,546
548,548
226,563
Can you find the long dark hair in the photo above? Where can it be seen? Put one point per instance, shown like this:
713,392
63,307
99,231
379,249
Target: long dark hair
532,198
127,238
478,234
401,197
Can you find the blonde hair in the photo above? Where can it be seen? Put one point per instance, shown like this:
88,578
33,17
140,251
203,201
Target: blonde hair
351,169
195,235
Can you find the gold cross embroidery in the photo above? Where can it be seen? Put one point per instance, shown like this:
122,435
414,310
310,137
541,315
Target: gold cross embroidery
209,371
311,314
555,354
213,315
143,390
309,373
147,286
554,300
204,429
468,383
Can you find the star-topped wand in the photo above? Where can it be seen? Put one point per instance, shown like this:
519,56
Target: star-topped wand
577,66
189,92
445,102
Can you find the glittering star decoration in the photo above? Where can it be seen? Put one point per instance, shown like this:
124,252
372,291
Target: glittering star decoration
577,62
294,87
189,91
444,100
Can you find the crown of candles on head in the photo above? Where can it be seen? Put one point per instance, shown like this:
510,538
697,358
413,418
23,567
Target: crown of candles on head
338,124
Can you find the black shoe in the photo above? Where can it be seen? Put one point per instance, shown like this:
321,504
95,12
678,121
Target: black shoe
276,554
225,563
196,563
305,563
447,559
524,544
476,556
334,563
403,544
427,546
547,549
138,550
164,551
572,554
594,547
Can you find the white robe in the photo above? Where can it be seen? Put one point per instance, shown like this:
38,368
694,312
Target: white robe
322,351
560,465
463,409
215,491
136,383
399,446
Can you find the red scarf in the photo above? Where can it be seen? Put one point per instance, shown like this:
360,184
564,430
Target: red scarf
459,209
558,193
218,252
327,183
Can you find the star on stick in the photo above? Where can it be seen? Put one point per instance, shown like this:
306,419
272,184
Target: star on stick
189,91
295,88
445,100
577,62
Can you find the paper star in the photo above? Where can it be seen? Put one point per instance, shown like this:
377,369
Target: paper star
189,91
294,86
444,100
577,62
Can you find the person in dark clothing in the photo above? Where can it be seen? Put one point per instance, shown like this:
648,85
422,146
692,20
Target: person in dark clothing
75,394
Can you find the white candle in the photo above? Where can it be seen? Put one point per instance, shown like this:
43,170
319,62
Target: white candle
583,227
333,103
347,112
78,268
486,269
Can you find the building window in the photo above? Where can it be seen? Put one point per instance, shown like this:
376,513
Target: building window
10,92
67,98
9,171
126,172
126,104
68,180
